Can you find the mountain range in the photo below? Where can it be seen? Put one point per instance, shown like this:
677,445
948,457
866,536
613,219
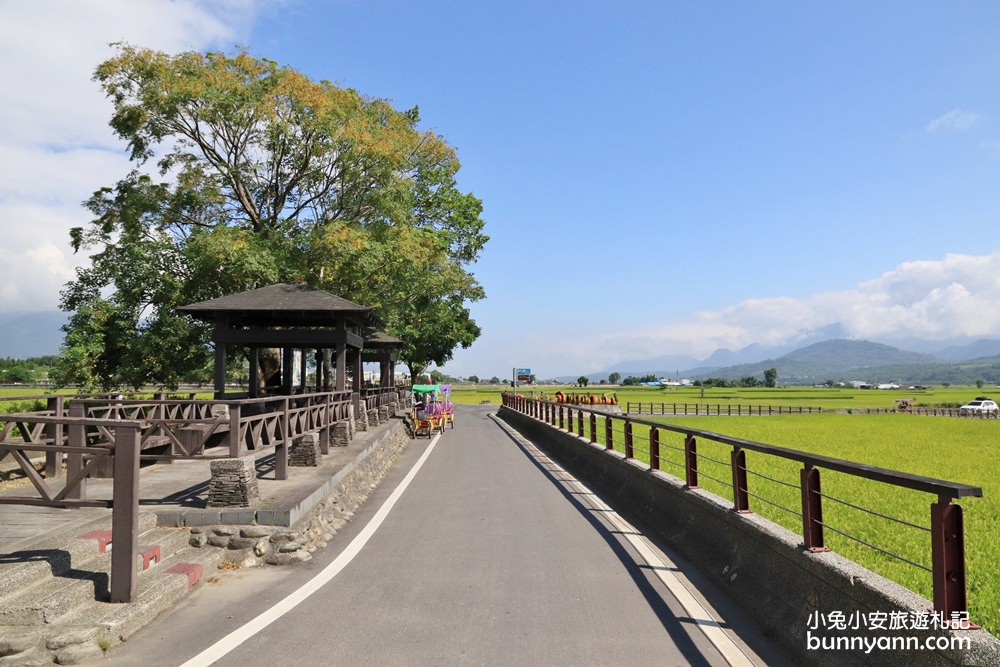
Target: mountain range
27,335
38,334
836,359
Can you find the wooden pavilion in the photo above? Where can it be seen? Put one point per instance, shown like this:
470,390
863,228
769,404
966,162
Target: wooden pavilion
383,349
292,318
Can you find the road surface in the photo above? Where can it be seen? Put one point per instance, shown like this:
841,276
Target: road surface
475,550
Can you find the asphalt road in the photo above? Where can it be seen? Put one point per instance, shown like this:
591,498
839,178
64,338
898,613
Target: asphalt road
490,556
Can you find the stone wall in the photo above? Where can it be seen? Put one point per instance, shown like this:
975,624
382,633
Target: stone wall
258,545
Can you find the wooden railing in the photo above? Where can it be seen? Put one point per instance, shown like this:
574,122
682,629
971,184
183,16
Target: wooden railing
121,446
110,434
378,397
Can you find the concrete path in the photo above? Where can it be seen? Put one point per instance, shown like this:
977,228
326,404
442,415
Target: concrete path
491,555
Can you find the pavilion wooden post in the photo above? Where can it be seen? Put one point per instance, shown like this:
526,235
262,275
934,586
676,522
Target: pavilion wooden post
253,384
303,370
356,386
342,355
287,359
220,360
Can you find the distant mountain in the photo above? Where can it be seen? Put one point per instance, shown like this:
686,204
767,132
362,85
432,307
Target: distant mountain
835,359
976,350
646,366
672,365
852,360
26,335
845,354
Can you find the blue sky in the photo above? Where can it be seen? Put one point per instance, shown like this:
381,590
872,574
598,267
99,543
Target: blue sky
658,177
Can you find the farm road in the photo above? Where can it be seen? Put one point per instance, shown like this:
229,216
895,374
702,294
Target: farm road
492,555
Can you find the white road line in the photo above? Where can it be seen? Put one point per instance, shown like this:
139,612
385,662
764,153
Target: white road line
249,629
656,560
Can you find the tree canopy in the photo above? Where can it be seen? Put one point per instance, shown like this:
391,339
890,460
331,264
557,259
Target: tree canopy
263,176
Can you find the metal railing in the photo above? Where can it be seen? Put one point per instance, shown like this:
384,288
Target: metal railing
947,537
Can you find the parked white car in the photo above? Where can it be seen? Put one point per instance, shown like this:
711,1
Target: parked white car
981,405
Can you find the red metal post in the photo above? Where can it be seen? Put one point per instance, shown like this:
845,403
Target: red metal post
593,427
654,448
125,514
948,557
812,510
691,462
562,422
609,434
741,498
629,452
579,422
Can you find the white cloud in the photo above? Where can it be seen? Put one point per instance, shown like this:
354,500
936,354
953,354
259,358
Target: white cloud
956,119
934,300
56,148
958,296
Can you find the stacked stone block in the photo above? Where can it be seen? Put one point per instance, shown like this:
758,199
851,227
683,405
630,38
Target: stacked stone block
233,483
305,451
341,436
361,422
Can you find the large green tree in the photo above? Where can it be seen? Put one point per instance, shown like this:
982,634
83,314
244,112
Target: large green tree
263,175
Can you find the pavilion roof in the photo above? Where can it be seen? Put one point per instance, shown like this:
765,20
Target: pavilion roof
283,304
381,339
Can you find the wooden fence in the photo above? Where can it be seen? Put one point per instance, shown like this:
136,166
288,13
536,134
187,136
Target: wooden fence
110,434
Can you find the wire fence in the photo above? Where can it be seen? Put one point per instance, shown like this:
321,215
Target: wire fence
784,486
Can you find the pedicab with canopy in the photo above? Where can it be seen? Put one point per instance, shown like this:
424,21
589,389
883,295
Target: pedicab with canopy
428,409
447,407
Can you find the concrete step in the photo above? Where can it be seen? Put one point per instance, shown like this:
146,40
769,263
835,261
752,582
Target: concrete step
94,627
159,589
55,556
51,598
